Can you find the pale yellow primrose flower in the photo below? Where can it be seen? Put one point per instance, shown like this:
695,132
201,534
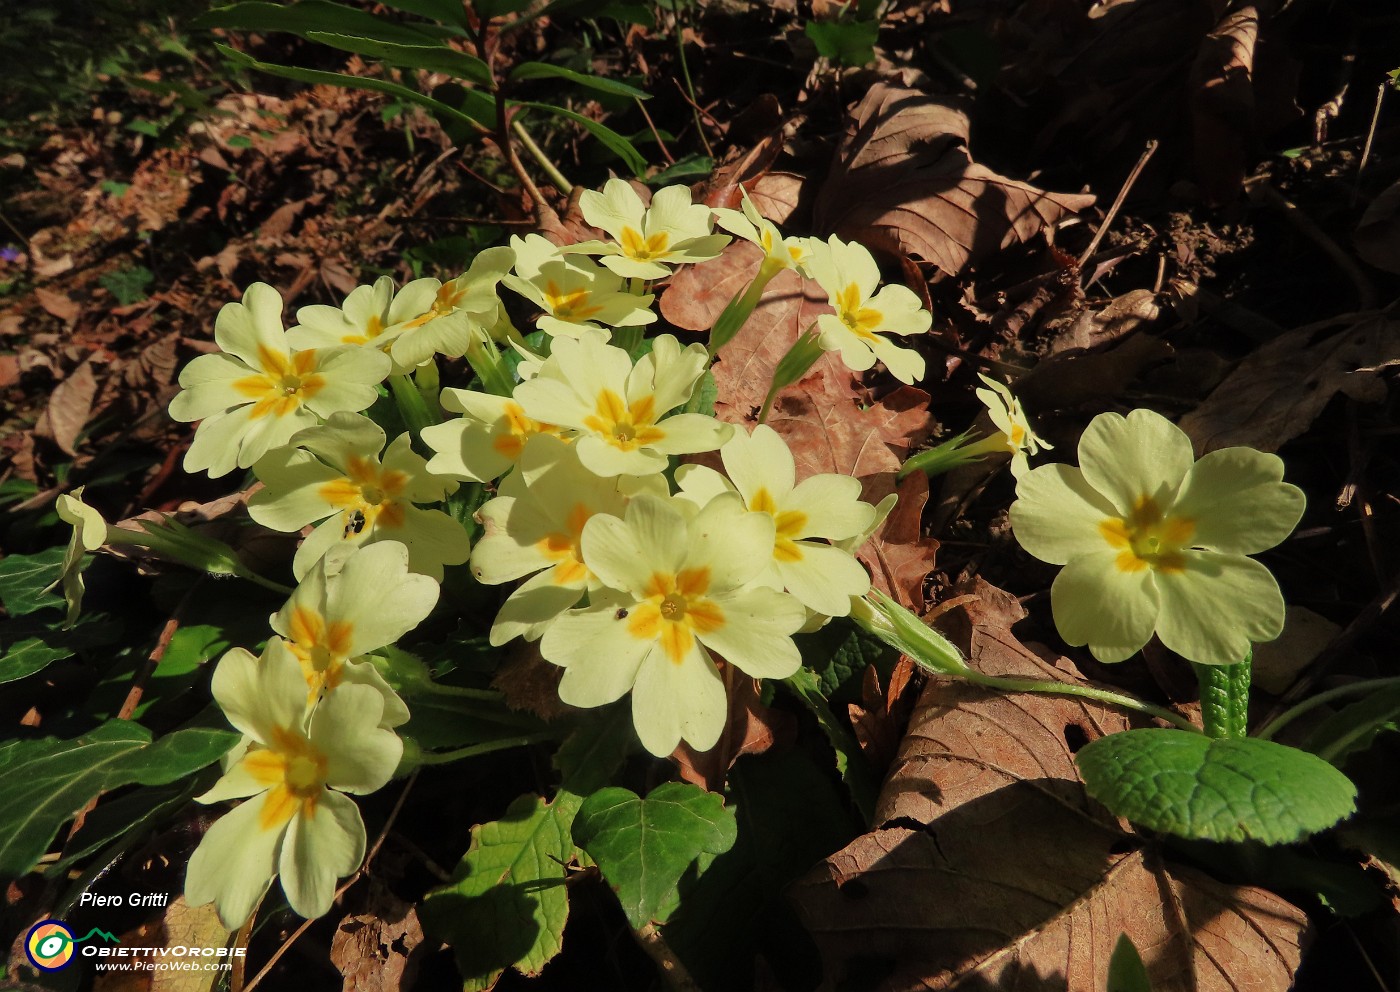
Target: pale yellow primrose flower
487,440
535,526
762,471
574,292
778,252
334,473
258,392
89,534
1017,435
334,617
863,317
371,317
1152,543
593,388
684,584
449,318
295,822
646,240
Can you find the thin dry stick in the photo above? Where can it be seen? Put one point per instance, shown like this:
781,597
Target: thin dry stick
1370,137
1118,203
345,886
666,152
673,973
1365,292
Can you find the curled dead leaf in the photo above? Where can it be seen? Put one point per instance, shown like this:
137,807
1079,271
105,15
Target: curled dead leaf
904,182
1222,104
994,870
1277,392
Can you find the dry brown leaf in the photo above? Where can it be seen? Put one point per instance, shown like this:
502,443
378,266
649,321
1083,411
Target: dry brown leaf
375,950
904,182
1278,663
1377,236
1222,105
898,555
180,926
994,870
69,407
1277,392
697,294
57,304
752,728
879,722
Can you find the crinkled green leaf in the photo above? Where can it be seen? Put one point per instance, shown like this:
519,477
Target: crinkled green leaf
429,57
507,904
1194,786
45,782
542,70
644,846
23,579
839,654
311,15
29,645
1355,727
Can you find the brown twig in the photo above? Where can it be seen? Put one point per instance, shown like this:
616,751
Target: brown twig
501,136
344,886
665,152
673,973
1370,139
1118,201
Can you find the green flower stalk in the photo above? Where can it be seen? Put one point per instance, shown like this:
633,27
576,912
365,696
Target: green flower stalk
791,368
1014,436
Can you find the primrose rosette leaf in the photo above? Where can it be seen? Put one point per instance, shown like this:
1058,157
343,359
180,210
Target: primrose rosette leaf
1155,542
1221,789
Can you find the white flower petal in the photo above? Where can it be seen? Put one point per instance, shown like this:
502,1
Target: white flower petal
234,864
1098,604
756,635
1057,514
319,850
1217,606
1128,458
679,701
599,655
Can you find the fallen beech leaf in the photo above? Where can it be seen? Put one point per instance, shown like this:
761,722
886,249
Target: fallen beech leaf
898,555
179,926
57,304
1377,236
1277,392
697,294
68,408
1222,104
994,869
375,950
904,182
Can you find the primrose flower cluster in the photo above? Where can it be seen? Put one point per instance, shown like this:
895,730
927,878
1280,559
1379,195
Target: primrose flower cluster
634,574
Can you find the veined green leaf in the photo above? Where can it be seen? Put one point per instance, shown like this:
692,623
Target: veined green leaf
540,70
432,58
615,142
23,579
317,76
312,15
644,846
44,782
1355,727
446,11
507,903
1222,789
29,645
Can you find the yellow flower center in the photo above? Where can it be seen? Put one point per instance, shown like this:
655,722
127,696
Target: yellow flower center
626,428
321,647
861,319
675,610
562,547
294,771
514,429
644,249
372,330
283,385
569,304
789,524
368,495
449,295
1149,538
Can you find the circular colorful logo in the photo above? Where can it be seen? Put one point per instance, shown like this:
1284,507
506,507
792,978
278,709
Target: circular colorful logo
49,945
